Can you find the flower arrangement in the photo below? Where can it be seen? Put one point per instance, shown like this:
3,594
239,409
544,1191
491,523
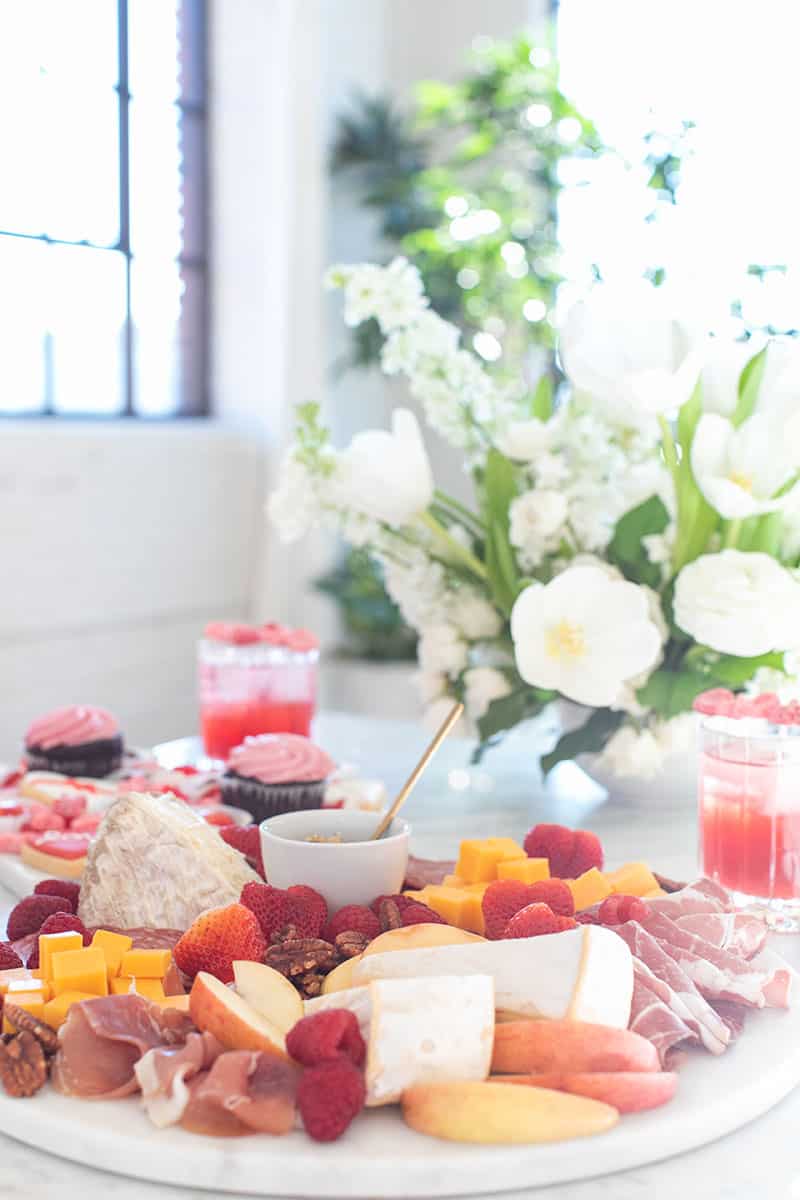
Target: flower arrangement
632,545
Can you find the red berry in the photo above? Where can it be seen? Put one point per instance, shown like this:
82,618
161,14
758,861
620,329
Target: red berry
329,1096
536,919
247,840
616,910
271,906
717,702
40,819
30,914
9,959
60,922
217,938
554,893
355,918
60,887
500,901
570,852
324,1036
420,914
399,899
309,910
218,817
69,806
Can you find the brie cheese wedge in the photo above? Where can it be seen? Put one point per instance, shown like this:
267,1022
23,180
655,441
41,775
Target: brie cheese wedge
585,974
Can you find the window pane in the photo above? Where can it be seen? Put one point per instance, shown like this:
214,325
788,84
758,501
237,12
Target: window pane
22,325
59,136
85,305
168,304
155,179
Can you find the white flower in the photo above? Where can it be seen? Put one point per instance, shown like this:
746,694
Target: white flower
583,635
474,615
677,735
633,754
723,366
482,685
430,685
626,351
551,470
658,546
780,383
293,507
740,470
738,603
536,519
387,475
394,295
417,346
525,441
419,588
442,650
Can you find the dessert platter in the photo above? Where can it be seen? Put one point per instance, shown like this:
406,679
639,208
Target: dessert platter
285,1006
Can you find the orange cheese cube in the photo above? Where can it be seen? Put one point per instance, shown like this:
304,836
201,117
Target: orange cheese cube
471,916
114,947
525,870
80,971
457,907
510,848
11,974
55,943
32,1002
655,895
120,985
179,1002
454,881
589,888
634,879
55,1010
146,964
151,989
477,860
23,986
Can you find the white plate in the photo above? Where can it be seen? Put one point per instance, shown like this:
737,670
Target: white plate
380,1157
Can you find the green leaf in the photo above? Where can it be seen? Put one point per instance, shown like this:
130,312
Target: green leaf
499,490
749,386
688,417
735,672
508,712
626,549
542,403
672,692
591,737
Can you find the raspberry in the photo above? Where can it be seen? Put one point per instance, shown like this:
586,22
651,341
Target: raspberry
270,905
247,840
501,900
570,852
324,1036
60,922
60,887
218,938
535,919
555,894
399,899
41,819
218,817
69,806
9,959
309,910
356,918
420,914
30,914
329,1096
616,910
718,702
85,823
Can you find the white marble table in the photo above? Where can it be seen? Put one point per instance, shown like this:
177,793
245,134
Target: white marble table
760,1160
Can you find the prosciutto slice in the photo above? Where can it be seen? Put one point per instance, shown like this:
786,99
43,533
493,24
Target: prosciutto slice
422,871
654,1019
738,933
245,1088
733,1015
163,1074
101,1041
702,896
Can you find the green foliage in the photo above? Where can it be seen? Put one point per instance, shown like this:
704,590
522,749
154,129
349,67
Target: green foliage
373,622
670,692
507,712
589,738
499,490
626,548
749,387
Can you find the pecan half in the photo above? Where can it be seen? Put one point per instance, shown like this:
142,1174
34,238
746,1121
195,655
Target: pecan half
351,943
25,1022
389,915
669,885
297,956
23,1067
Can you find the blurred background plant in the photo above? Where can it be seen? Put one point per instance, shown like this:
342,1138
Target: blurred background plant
373,626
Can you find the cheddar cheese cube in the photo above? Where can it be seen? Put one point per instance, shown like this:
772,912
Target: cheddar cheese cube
589,888
458,907
21,986
80,971
120,985
145,964
55,1010
151,989
56,943
634,879
477,860
32,1002
114,947
454,881
525,870
12,974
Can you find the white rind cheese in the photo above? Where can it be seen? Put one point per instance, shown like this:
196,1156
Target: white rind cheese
585,974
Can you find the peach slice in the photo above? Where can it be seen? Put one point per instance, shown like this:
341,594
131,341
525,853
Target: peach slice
495,1113
533,1047
417,937
216,1008
627,1091
269,993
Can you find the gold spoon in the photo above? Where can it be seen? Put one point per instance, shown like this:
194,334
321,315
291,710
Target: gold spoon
413,779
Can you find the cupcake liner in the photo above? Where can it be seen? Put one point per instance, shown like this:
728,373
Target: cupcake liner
264,800
94,760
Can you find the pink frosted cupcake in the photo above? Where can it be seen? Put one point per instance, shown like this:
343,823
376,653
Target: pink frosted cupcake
78,740
276,773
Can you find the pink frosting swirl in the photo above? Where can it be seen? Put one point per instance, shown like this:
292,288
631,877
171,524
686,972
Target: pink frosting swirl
280,758
72,726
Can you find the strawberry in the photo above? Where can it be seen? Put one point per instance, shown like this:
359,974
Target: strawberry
60,922
218,817
400,900
270,905
247,840
60,887
85,823
41,819
570,852
30,914
329,1096
536,919
616,910
500,901
217,938
555,894
69,806
309,912
356,918
9,959
324,1036
420,914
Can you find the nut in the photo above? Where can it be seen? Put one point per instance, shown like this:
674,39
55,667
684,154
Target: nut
297,956
351,943
669,885
25,1022
389,915
23,1068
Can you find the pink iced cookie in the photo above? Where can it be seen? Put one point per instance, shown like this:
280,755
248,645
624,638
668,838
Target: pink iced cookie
85,823
40,819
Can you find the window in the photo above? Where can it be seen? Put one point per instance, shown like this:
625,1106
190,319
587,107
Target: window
103,267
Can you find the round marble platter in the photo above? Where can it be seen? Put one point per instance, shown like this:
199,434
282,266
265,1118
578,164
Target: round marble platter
380,1157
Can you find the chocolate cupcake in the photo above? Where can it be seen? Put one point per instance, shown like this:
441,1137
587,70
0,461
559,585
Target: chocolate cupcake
276,773
78,740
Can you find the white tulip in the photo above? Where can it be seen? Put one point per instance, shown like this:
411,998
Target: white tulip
780,383
739,470
387,476
625,351
738,603
722,369
584,634
525,441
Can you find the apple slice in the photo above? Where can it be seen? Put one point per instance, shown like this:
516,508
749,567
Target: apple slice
216,1008
269,993
418,937
340,979
627,1091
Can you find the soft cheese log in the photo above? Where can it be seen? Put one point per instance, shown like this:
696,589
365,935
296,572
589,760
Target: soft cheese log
156,863
420,1031
585,974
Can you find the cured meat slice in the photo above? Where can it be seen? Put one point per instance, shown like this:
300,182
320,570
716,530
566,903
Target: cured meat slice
739,933
715,891
162,1074
733,1015
101,1041
421,871
690,900
654,1020
244,1092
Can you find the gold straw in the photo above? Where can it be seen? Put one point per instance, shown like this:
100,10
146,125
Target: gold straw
415,775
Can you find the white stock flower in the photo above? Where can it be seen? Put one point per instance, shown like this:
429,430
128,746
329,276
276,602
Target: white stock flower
418,345
625,350
482,685
630,753
293,506
738,603
419,589
394,295
584,635
441,650
739,470
385,475
474,615
430,685
536,519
